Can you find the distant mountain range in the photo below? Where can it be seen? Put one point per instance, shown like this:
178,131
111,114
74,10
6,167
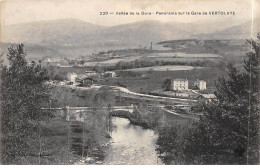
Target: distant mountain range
57,32
242,31
72,38
72,32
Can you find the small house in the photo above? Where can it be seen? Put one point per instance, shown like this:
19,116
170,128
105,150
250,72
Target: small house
200,84
90,73
206,98
72,77
110,74
84,80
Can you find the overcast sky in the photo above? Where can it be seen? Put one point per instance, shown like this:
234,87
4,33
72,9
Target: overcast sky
18,11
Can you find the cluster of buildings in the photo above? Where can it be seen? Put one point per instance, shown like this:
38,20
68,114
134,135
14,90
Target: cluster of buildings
89,77
60,62
180,84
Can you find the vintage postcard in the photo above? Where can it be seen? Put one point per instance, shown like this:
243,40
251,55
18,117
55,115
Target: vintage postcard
129,82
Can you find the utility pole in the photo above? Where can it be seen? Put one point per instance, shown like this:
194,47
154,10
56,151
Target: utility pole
50,104
82,139
83,133
68,117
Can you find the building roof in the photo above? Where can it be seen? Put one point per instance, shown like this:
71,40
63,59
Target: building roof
82,76
207,96
179,79
85,77
109,72
72,73
200,80
90,71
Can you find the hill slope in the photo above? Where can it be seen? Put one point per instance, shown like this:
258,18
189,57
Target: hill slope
70,32
73,38
54,32
242,31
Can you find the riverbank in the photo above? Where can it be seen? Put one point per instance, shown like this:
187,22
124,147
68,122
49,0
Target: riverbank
134,120
145,117
131,145
116,155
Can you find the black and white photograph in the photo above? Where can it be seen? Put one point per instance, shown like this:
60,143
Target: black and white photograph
129,82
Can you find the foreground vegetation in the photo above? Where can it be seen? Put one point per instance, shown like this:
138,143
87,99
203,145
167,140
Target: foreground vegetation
22,97
31,135
228,132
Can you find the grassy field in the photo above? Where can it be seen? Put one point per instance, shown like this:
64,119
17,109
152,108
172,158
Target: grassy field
185,59
63,96
178,54
233,52
145,81
157,56
112,61
162,68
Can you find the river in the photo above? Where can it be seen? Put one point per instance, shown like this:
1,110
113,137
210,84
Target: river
131,144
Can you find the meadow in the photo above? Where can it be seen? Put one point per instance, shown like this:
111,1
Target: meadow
179,54
162,68
147,81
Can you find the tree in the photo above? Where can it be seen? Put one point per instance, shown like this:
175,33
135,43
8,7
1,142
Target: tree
167,144
104,98
98,69
228,131
166,84
151,70
22,95
170,143
230,124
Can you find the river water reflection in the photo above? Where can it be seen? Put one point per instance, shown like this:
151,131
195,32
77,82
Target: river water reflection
131,144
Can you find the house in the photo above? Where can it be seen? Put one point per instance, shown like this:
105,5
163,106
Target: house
72,77
179,84
110,74
85,80
47,60
206,98
90,73
81,77
200,84
62,83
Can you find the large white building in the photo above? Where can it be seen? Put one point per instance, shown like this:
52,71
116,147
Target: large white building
72,77
200,84
179,84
